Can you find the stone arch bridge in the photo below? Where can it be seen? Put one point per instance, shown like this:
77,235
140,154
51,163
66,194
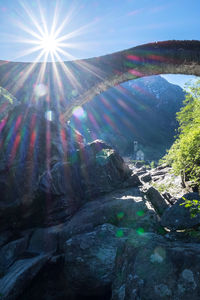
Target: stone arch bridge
77,82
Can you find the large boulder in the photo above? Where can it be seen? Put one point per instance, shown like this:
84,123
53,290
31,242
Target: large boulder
20,275
31,143
148,267
91,149
178,216
44,240
11,252
49,283
90,259
103,171
159,203
122,208
146,177
132,181
51,194
62,189
5,237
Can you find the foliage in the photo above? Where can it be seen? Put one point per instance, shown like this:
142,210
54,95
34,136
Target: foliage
193,205
5,95
184,155
8,97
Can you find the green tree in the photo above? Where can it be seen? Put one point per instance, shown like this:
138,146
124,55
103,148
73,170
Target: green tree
184,155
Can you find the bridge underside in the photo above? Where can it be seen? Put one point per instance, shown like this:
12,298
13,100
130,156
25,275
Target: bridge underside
74,83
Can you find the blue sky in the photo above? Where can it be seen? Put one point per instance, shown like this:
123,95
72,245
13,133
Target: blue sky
98,26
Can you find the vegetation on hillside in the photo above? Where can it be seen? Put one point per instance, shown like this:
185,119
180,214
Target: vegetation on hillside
184,155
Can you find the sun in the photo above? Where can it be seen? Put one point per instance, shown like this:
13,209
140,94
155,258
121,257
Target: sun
51,38
44,35
49,44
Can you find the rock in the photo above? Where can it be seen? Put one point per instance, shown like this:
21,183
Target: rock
167,196
157,178
49,283
178,216
161,167
150,268
163,172
158,202
103,172
123,208
69,185
146,177
44,240
19,276
91,149
90,258
5,237
140,171
62,188
90,171
11,252
132,181
139,164
24,160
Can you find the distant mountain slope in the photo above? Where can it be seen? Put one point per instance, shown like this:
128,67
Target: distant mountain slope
142,110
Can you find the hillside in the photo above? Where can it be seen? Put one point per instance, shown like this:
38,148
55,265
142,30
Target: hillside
143,110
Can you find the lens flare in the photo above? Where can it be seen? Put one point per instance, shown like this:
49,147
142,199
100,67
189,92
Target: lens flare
119,233
49,115
79,112
40,90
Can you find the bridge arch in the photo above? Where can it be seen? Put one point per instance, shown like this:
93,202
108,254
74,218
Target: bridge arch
93,76
169,57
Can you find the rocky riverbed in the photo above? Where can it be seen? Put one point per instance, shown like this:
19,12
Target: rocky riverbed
100,229
77,222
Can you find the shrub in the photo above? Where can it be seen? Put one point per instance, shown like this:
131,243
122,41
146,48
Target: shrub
184,155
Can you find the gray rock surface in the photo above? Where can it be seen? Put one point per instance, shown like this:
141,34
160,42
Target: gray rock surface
150,268
146,177
158,202
11,252
178,216
63,191
22,165
44,240
106,172
123,208
132,181
19,276
5,237
90,258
